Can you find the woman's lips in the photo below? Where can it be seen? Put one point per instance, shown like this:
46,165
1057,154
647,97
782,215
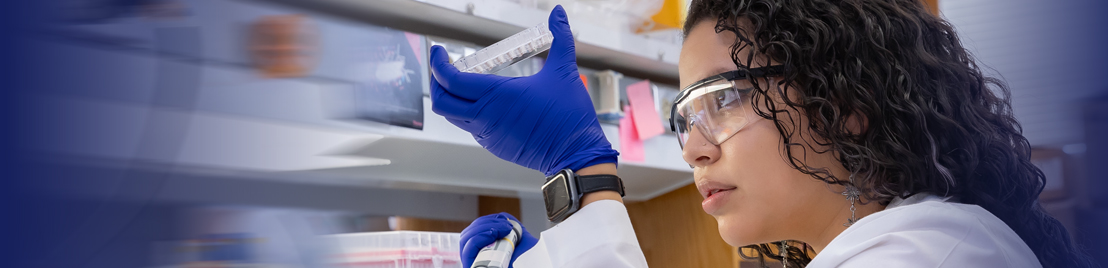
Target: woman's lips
716,199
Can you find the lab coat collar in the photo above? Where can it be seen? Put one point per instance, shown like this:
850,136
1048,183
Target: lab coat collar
916,199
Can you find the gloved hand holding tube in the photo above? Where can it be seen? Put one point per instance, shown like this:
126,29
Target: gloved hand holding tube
481,237
544,122
499,253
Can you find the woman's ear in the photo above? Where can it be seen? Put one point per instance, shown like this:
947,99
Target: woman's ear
857,123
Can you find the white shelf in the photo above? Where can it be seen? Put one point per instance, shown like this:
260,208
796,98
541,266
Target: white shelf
333,151
301,130
295,129
492,20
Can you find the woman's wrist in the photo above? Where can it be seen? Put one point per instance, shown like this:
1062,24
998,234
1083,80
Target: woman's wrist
606,169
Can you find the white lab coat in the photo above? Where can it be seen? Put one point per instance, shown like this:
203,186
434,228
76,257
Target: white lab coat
598,235
920,231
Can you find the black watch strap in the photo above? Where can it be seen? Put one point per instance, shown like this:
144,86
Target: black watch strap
593,183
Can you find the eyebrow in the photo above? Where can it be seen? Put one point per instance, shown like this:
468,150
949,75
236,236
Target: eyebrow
715,71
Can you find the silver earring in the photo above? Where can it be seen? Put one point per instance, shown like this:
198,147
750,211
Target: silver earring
851,194
784,254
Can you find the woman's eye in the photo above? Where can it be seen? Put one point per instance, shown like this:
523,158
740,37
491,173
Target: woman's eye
727,98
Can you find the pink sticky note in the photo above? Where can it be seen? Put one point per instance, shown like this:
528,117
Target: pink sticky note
647,121
630,146
417,46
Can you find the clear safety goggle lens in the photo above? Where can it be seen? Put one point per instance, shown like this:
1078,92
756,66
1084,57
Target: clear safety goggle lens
716,109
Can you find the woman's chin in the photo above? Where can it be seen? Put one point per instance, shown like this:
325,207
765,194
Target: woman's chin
733,232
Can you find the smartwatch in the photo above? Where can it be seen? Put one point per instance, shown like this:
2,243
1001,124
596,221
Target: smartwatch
563,191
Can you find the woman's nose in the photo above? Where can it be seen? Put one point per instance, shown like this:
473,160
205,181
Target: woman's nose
698,152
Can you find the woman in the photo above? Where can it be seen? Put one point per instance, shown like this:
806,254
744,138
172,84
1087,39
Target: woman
859,132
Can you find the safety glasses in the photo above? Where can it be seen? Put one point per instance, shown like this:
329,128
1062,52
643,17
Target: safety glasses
716,105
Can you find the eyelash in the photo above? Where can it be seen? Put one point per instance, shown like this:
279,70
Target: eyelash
738,93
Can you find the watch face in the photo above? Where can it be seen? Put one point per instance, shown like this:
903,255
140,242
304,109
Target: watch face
557,195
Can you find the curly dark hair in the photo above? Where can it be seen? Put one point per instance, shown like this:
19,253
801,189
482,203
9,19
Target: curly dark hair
933,123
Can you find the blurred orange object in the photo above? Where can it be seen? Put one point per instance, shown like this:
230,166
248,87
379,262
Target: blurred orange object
282,45
585,80
932,6
671,16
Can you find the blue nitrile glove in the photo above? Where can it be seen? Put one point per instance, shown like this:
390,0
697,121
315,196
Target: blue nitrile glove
544,122
486,230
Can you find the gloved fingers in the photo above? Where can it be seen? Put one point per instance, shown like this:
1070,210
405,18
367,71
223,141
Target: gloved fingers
468,86
473,245
506,216
482,232
563,53
445,104
494,222
479,228
526,241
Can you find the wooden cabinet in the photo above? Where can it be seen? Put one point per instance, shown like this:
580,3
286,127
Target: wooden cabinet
674,232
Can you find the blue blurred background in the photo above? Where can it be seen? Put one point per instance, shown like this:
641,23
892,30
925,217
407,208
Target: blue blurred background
225,133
